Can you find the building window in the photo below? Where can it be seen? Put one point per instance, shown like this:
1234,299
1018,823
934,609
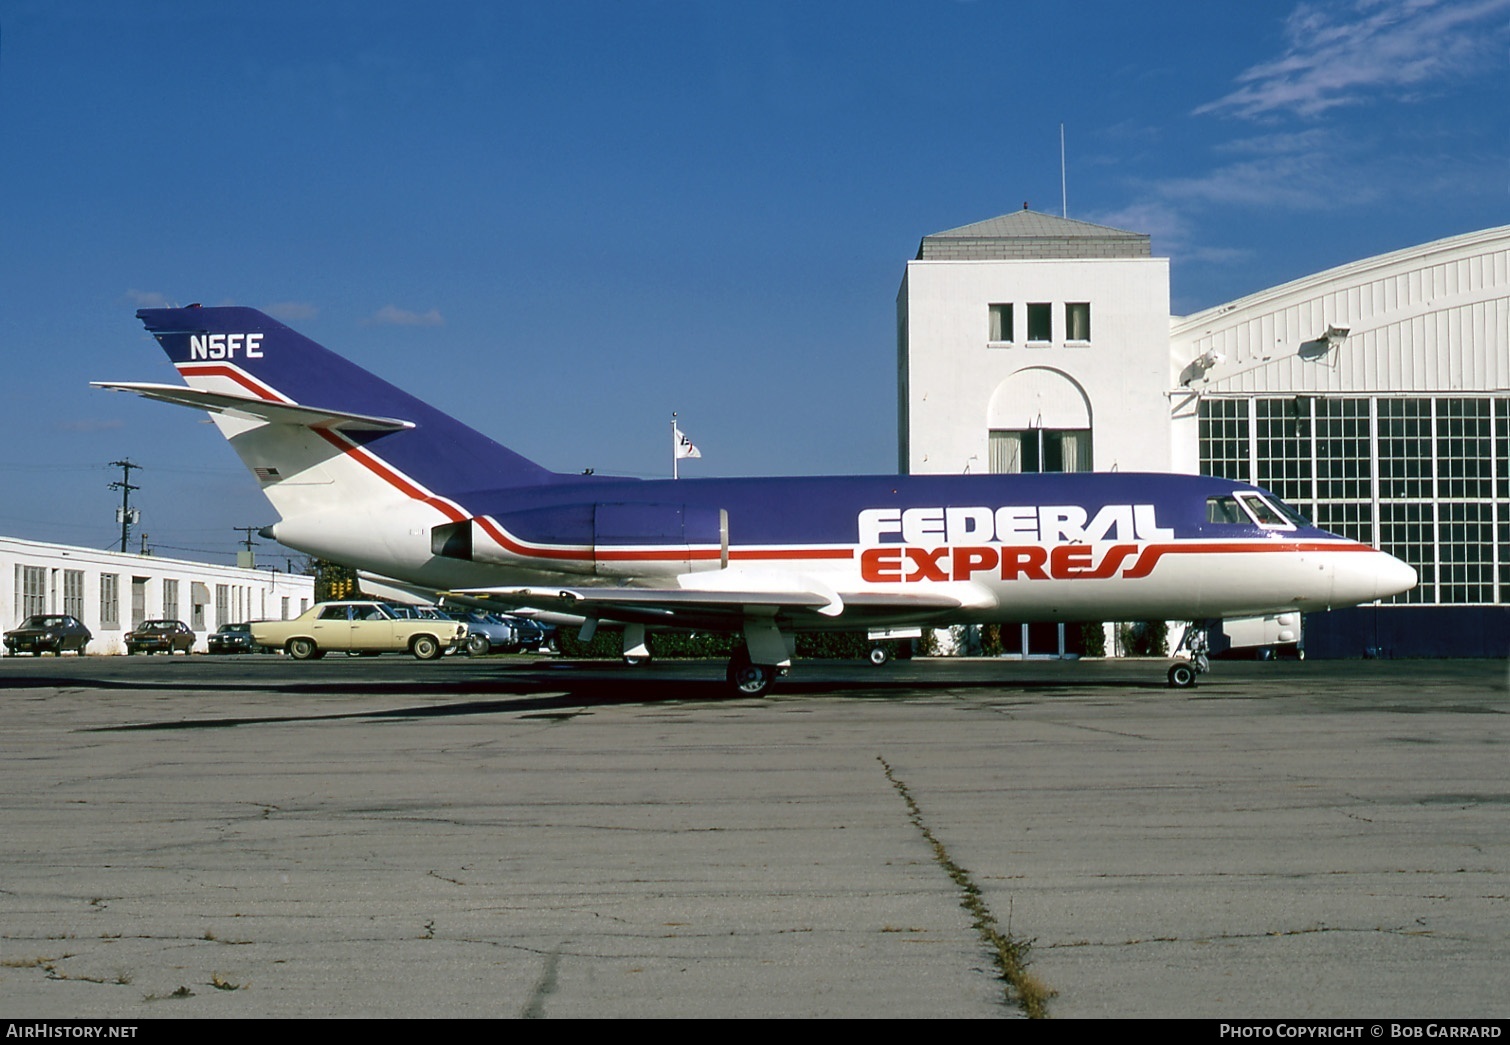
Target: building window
222,604
1040,322
31,590
170,599
1040,450
110,601
1001,323
1077,321
73,593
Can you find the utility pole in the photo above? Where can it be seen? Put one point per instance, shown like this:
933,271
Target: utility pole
126,515
246,559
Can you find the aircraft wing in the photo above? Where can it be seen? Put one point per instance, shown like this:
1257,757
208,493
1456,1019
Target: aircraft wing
260,409
714,610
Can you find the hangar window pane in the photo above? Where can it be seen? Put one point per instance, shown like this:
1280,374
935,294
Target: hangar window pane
1351,519
1077,321
1001,323
1342,449
1502,449
1405,448
170,599
1224,439
1406,532
1463,442
1467,564
1040,322
1284,449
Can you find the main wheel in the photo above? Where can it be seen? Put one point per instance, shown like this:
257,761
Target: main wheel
424,647
302,649
478,645
1181,676
879,655
750,680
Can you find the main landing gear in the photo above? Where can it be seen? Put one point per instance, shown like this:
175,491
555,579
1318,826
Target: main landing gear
1182,674
748,679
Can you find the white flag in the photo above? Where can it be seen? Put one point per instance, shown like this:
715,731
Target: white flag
684,447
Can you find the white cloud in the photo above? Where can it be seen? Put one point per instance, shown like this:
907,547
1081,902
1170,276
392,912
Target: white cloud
1340,54
392,315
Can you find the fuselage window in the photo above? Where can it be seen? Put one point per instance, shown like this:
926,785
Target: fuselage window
1225,510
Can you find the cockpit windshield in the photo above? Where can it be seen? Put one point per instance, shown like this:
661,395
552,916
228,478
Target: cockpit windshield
1246,508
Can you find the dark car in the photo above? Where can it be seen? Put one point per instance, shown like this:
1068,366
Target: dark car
530,634
48,633
159,636
233,638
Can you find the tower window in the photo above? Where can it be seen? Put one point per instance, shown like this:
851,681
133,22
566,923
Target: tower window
1001,323
1077,321
1040,322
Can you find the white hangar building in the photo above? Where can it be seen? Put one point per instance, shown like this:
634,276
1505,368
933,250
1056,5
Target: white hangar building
112,592
1374,397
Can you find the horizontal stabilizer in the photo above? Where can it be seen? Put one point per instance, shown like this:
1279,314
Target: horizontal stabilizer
262,409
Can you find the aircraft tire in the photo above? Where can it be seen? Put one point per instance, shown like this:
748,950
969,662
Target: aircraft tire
1181,676
879,656
303,649
424,647
749,680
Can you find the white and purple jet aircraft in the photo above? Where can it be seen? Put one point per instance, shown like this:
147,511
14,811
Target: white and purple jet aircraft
364,474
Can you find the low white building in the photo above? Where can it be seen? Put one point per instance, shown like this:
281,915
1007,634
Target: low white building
111,592
1374,397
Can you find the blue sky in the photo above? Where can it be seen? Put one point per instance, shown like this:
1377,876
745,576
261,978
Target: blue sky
560,222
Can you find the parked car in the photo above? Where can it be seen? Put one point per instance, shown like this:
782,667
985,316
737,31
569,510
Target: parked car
48,633
530,634
160,636
233,638
359,626
486,633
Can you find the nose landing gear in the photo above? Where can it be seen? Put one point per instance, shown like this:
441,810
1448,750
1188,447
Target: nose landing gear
1182,675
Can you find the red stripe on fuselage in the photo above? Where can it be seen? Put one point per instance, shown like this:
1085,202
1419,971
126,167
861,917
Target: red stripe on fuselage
1154,552
376,466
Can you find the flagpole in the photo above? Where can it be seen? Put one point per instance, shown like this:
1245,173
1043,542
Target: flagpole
675,470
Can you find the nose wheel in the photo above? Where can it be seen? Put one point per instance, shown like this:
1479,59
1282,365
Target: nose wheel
1182,675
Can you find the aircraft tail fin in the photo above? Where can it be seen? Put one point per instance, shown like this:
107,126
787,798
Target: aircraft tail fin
317,430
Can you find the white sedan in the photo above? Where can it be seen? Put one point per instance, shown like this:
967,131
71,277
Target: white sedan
358,627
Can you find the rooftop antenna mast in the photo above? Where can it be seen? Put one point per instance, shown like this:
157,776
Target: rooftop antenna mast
1064,197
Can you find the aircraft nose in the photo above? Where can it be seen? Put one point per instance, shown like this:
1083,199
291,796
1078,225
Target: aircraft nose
1367,576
